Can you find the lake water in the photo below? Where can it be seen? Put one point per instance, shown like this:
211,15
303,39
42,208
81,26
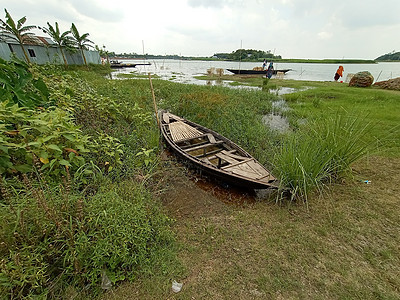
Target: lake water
184,71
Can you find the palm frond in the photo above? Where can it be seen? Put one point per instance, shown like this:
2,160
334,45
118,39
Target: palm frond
21,22
9,20
27,28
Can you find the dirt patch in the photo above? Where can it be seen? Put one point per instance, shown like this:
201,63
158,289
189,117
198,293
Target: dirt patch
191,195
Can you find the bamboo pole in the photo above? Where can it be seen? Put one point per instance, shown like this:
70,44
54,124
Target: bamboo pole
154,100
378,76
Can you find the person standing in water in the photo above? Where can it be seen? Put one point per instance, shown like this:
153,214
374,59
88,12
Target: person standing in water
339,73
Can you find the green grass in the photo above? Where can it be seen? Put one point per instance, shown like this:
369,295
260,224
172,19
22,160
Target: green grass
321,152
342,245
380,107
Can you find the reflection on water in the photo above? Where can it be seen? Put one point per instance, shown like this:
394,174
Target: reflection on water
276,122
276,119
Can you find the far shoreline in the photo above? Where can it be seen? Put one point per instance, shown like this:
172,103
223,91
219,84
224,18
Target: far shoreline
282,60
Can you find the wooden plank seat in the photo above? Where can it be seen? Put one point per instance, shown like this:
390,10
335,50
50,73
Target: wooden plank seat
243,166
207,155
202,146
209,136
214,156
238,163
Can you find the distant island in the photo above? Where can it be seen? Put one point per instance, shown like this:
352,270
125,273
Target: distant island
392,56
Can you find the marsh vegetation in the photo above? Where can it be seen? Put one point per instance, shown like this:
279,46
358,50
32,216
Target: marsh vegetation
88,196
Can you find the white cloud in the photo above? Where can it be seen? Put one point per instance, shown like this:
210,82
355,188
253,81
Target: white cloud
323,35
295,28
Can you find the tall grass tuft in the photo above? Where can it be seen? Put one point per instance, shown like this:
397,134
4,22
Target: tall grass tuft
321,152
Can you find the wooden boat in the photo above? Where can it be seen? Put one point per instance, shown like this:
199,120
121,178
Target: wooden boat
256,72
213,154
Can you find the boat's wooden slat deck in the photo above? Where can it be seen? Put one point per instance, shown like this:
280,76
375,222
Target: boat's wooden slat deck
210,137
181,131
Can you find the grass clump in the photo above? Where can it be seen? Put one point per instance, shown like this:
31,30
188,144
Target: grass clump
321,152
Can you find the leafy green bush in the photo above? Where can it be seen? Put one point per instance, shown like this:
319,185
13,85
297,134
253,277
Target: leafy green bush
50,135
78,214
51,237
19,86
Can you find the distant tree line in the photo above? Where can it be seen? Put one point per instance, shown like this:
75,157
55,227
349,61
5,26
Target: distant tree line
390,56
143,56
247,54
240,54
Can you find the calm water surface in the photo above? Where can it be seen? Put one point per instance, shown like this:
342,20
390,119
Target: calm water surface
184,71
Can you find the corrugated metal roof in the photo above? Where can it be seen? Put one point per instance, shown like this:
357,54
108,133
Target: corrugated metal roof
32,40
47,41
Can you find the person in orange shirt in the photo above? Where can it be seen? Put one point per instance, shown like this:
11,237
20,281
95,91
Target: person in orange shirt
339,73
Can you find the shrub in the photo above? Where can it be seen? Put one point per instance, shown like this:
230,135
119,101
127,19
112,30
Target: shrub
53,238
72,211
48,135
19,86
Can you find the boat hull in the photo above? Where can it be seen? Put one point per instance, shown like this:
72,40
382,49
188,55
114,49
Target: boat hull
214,155
122,65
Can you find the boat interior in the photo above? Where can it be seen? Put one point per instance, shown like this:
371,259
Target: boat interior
213,151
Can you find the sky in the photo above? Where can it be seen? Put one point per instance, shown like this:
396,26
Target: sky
316,29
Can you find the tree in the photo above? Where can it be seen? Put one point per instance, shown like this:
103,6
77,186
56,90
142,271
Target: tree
17,32
81,41
103,53
62,39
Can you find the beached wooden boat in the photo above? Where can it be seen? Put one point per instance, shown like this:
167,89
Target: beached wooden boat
213,154
256,72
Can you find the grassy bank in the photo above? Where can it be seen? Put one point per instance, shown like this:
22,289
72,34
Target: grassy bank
341,245
108,216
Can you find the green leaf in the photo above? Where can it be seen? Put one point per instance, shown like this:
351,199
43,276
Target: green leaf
65,163
54,147
4,149
38,144
44,154
69,137
23,168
